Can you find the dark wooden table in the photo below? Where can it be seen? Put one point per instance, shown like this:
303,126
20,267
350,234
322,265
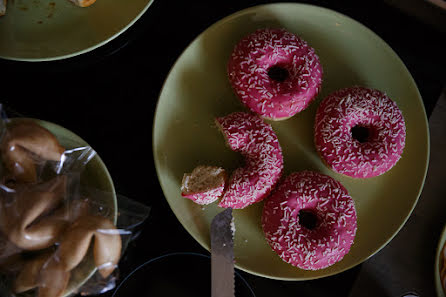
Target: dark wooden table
108,97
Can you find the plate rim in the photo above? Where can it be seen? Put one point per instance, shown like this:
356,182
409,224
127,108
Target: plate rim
87,49
175,254
369,31
440,244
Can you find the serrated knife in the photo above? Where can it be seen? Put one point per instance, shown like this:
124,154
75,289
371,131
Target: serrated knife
222,254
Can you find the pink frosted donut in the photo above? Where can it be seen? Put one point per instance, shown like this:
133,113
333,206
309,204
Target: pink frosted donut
359,132
310,220
256,141
206,197
204,185
275,73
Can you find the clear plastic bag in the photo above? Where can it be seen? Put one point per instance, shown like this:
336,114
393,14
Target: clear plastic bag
63,229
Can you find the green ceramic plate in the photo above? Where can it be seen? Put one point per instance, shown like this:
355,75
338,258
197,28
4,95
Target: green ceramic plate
94,175
197,90
438,264
42,30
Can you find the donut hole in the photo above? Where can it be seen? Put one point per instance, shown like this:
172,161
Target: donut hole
361,133
308,219
278,73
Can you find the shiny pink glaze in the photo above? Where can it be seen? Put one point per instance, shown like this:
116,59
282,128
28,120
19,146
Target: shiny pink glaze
328,200
257,142
206,197
253,57
358,106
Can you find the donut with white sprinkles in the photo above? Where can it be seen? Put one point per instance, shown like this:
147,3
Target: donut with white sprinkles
275,73
256,140
204,185
359,132
310,220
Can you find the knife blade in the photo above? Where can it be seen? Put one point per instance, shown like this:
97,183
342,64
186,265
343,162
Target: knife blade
222,254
